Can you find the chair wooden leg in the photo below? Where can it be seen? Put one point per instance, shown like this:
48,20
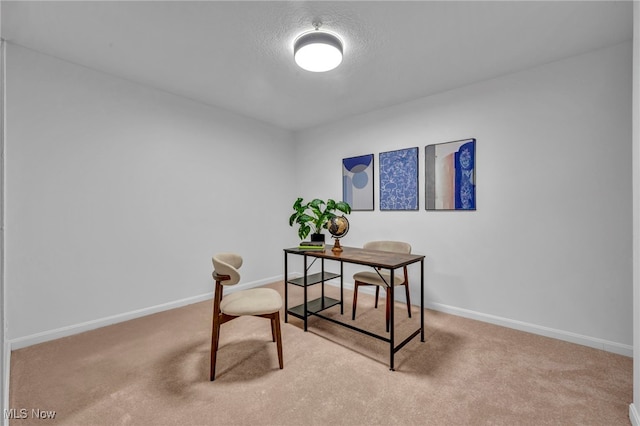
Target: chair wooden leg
406,288
377,295
215,329
355,300
273,329
215,338
278,333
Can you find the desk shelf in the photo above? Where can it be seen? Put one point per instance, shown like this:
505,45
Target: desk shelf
313,306
314,279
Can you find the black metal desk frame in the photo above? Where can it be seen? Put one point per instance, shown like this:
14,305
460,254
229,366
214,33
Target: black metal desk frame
316,306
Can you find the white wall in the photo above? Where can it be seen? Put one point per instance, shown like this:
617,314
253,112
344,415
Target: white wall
118,195
4,352
550,246
634,414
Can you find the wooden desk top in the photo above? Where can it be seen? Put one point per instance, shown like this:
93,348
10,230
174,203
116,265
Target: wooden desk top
376,258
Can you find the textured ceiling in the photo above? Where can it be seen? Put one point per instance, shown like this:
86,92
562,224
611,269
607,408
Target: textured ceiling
239,55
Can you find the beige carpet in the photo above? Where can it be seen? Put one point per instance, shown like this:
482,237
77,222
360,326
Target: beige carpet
154,371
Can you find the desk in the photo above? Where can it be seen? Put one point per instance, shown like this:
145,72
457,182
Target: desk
372,258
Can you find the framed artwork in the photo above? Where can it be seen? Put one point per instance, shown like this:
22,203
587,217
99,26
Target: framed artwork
399,179
450,175
357,182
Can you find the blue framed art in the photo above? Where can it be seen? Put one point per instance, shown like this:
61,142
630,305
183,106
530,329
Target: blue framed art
399,179
450,175
357,182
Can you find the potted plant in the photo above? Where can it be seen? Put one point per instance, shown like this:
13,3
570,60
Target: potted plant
314,216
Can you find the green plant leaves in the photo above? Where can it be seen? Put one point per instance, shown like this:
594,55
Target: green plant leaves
312,214
343,207
304,231
316,203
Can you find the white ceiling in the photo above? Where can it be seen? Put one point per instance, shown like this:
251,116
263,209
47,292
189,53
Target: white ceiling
239,55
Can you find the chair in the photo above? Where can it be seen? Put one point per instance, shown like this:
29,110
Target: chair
383,278
259,302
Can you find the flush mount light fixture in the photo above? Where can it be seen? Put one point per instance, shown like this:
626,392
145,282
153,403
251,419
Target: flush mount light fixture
317,51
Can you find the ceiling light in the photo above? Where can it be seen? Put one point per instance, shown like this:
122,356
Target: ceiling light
318,51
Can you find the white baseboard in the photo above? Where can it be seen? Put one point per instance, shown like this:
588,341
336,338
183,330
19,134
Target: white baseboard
626,350
633,415
592,342
45,336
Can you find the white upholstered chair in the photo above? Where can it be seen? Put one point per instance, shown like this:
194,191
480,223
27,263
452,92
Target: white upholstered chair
260,302
383,278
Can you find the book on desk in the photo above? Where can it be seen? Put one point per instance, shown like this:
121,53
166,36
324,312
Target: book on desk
311,245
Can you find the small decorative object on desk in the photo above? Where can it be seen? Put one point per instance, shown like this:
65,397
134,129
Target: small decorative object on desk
311,245
338,227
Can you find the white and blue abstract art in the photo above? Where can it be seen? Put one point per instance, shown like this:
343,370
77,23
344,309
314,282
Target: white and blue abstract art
357,182
399,179
450,175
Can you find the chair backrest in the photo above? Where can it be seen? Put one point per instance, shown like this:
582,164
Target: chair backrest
228,264
393,246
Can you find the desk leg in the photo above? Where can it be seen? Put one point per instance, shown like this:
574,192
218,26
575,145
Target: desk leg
341,289
322,290
286,289
305,293
422,300
391,304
